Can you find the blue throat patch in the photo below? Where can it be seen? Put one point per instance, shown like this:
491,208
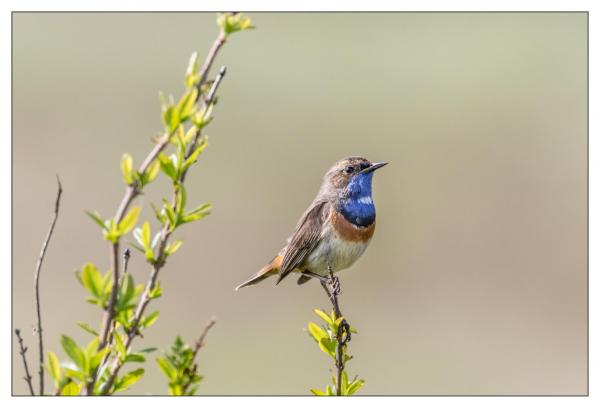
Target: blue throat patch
356,204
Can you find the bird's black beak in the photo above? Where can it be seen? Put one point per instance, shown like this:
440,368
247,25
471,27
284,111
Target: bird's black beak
374,167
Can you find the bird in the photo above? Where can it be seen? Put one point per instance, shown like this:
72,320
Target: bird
334,231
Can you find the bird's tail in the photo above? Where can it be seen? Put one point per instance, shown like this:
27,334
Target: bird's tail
272,268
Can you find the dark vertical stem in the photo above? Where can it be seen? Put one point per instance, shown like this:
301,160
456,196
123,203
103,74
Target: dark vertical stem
22,351
36,284
332,293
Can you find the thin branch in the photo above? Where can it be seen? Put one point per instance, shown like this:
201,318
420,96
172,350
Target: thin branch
200,342
167,230
36,284
22,351
343,328
197,346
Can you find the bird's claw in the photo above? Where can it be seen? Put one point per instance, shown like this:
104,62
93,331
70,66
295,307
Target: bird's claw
334,285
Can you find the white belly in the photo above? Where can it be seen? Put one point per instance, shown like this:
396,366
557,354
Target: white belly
334,252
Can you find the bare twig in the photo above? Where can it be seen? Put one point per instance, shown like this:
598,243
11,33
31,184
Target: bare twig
22,351
200,342
36,284
332,288
197,346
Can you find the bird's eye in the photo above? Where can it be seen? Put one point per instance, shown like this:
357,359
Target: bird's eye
364,166
349,169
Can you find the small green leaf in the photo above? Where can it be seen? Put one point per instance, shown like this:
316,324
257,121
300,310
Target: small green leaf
71,389
173,247
120,346
135,358
167,368
328,346
156,292
91,348
167,166
129,379
316,332
129,220
54,368
97,218
87,328
187,104
355,386
150,319
91,279
194,156
148,350
74,352
191,74
151,172
323,316
318,392
127,168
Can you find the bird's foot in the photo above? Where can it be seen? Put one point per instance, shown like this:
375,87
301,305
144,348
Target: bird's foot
334,285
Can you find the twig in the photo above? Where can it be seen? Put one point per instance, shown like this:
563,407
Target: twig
199,344
22,351
166,231
36,284
343,328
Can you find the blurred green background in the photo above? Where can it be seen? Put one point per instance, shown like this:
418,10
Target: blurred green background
475,281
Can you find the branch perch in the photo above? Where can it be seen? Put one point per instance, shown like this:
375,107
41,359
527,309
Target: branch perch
332,288
36,281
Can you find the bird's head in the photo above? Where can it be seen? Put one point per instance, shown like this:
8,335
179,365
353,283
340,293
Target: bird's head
350,176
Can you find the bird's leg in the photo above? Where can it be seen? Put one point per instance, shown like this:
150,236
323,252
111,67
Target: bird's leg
334,282
316,276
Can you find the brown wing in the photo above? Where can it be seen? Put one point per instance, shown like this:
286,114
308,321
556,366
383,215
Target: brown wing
305,239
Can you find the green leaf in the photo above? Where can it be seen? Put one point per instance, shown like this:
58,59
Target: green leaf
231,23
148,350
167,368
71,389
74,352
191,74
194,156
328,346
355,386
129,220
173,247
146,234
167,166
129,379
135,358
187,103
120,346
54,368
316,332
127,168
98,219
323,316
91,279
156,292
87,328
91,348
318,392
150,319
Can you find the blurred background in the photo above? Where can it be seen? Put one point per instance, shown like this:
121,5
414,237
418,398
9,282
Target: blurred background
476,279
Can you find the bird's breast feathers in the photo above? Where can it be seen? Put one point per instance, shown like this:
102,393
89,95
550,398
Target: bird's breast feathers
341,244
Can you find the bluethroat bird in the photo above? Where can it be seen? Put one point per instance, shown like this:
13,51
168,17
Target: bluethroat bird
334,231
